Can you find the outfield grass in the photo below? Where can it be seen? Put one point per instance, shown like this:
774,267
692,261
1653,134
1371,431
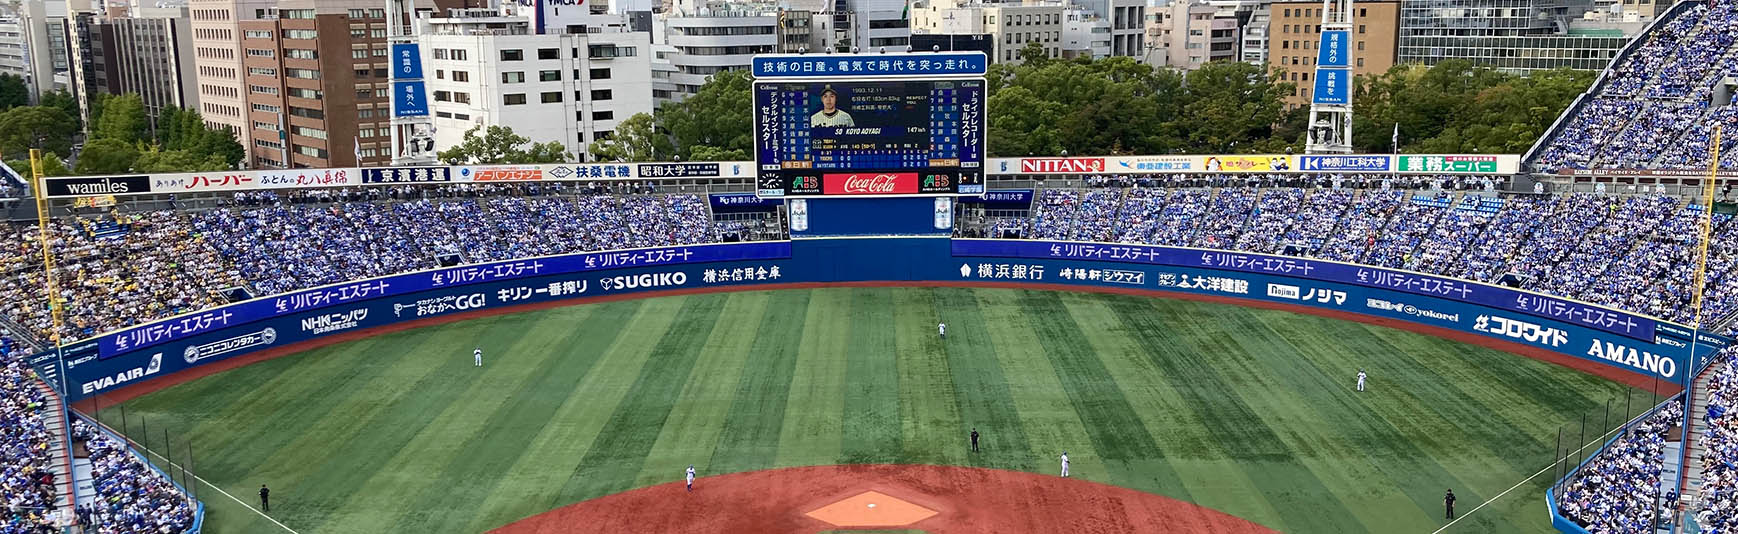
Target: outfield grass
1243,410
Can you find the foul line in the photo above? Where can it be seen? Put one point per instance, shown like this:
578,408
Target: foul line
214,486
1597,439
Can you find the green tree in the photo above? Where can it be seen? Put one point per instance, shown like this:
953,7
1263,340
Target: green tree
718,117
499,145
65,102
24,128
123,119
1114,105
106,156
1457,106
219,142
52,165
636,139
1033,54
1232,107
156,159
13,92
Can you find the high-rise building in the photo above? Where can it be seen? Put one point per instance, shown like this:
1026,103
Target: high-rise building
1511,35
47,37
217,34
1085,34
14,50
714,38
1011,25
151,54
491,67
1196,32
1297,32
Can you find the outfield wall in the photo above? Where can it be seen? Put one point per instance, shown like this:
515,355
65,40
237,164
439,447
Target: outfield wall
1619,343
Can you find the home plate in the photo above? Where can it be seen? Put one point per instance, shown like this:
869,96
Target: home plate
871,509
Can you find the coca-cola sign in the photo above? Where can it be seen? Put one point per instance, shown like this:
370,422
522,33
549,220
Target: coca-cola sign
867,183
1061,165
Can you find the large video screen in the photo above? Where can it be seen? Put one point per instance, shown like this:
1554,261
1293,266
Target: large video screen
908,137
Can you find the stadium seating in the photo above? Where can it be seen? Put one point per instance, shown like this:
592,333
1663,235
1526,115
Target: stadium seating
132,497
1718,511
1616,490
1659,94
26,485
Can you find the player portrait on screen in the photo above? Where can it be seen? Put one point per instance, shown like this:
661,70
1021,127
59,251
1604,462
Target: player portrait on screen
830,114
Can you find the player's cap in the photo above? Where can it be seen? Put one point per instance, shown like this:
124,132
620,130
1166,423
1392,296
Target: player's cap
829,89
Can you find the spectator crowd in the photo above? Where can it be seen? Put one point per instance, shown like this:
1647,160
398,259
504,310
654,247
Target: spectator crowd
1717,512
26,483
131,496
1619,489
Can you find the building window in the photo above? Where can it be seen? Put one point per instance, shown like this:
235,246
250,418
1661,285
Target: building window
459,55
603,115
461,76
261,89
382,92
549,76
359,54
461,116
305,74
443,96
255,52
304,93
308,113
601,94
311,151
512,55
553,97
377,33
297,13
1360,29
1360,45
513,99
1360,62
600,74
440,74
549,53
304,131
267,108
301,34
260,71
462,98
513,77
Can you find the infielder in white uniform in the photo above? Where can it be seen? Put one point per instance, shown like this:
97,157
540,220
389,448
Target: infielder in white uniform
1065,464
690,478
479,356
1360,380
942,328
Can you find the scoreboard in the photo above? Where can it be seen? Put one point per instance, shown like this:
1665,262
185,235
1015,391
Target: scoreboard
865,135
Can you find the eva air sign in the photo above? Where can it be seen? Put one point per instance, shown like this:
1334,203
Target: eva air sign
1467,164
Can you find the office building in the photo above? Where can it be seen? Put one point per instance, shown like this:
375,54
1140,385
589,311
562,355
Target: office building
1297,31
491,67
1011,25
150,54
1511,35
1195,32
714,38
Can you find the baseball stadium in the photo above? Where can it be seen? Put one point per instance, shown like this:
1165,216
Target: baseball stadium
848,334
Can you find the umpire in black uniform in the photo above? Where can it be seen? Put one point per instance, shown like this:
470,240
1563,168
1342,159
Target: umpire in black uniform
265,498
974,440
1448,503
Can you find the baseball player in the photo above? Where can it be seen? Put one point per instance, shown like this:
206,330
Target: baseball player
1065,464
479,355
690,477
942,328
1360,380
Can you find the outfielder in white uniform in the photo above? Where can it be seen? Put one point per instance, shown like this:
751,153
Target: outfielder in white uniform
479,356
1360,380
1064,464
942,328
690,478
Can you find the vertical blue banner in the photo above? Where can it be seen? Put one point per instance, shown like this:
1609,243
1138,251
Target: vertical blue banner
1336,49
409,99
406,62
1333,86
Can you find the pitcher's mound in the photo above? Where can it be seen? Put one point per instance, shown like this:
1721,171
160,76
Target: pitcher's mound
905,498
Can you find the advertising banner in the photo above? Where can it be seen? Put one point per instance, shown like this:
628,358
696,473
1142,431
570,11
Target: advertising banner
405,175
871,65
1333,86
1345,163
409,99
1062,165
184,326
1336,50
1497,297
406,62
1247,164
1451,164
587,171
676,170
260,179
1004,199
741,202
1594,334
1148,164
98,185
500,173
886,183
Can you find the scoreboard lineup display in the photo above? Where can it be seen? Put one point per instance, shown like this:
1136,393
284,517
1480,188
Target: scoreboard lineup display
824,129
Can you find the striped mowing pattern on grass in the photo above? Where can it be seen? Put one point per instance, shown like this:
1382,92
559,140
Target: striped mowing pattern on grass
1243,410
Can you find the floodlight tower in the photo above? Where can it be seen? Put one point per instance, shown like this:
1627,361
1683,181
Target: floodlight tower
1330,126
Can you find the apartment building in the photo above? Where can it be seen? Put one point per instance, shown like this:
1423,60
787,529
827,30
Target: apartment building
491,67
1011,25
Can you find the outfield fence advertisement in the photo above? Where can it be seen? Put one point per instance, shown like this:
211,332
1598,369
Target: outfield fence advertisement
1623,341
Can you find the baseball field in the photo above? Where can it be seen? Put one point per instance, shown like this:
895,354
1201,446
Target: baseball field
1246,411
